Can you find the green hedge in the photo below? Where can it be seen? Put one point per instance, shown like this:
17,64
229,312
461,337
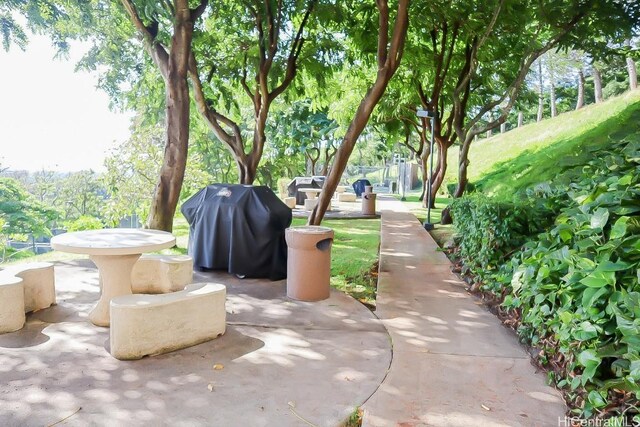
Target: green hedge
574,288
489,231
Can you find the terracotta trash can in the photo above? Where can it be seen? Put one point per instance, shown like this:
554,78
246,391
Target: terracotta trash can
308,262
369,203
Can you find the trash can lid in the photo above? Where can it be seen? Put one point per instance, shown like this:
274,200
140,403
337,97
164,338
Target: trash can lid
310,229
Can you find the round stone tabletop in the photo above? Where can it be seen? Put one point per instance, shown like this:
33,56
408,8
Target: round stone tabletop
113,241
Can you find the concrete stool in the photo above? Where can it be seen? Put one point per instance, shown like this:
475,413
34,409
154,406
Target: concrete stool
38,283
143,325
11,303
341,189
290,202
346,197
310,204
160,274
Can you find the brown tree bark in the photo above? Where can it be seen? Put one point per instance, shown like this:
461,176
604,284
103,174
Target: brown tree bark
540,93
597,85
329,153
313,159
632,72
389,55
580,101
173,64
552,93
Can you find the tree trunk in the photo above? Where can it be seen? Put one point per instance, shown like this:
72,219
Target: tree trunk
389,55
597,84
552,98
167,191
520,118
540,93
440,172
633,74
580,102
424,161
463,164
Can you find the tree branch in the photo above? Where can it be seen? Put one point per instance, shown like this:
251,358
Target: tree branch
383,31
294,54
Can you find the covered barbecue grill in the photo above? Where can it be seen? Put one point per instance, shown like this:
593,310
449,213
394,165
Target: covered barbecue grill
358,186
304,182
238,228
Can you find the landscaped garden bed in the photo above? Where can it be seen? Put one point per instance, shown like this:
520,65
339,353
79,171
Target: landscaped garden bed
559,264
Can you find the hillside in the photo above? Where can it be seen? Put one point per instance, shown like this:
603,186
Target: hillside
517,159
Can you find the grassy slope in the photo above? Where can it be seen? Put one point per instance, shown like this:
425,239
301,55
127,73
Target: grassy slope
528,155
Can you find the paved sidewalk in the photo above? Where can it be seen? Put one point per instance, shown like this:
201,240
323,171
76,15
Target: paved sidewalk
284,363
453,364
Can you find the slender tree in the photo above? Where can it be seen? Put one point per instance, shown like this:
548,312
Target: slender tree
388,54
597,83
631,68
172,59
260,62
581,83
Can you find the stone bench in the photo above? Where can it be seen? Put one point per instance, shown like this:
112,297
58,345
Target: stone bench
290,202
161,274
143,325
12,315
310,204
38,283
346,197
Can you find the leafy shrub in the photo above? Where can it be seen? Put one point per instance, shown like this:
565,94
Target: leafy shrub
85,222
489,231
577,285
451,188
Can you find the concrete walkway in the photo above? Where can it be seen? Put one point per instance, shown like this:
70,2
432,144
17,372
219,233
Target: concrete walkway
453,364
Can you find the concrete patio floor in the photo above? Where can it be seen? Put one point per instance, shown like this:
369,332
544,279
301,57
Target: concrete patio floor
283,363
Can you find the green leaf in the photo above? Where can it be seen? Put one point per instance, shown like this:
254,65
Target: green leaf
599,218
619,229
596,399
598,279
586,331
591,295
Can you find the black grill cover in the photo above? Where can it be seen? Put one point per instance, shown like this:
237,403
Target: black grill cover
358,186
304,182
238,228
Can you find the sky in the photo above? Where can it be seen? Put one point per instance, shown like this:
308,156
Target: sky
52,117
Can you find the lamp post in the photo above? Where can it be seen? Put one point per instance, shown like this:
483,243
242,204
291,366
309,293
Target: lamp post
402,166
428,225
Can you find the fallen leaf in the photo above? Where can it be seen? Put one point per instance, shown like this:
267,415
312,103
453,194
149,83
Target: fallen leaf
347,378
218,367
210,387
486,408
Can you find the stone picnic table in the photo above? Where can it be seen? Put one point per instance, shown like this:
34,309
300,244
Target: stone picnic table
114,251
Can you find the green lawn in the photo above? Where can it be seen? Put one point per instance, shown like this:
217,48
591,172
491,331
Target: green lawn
441,233
524,156
354,253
